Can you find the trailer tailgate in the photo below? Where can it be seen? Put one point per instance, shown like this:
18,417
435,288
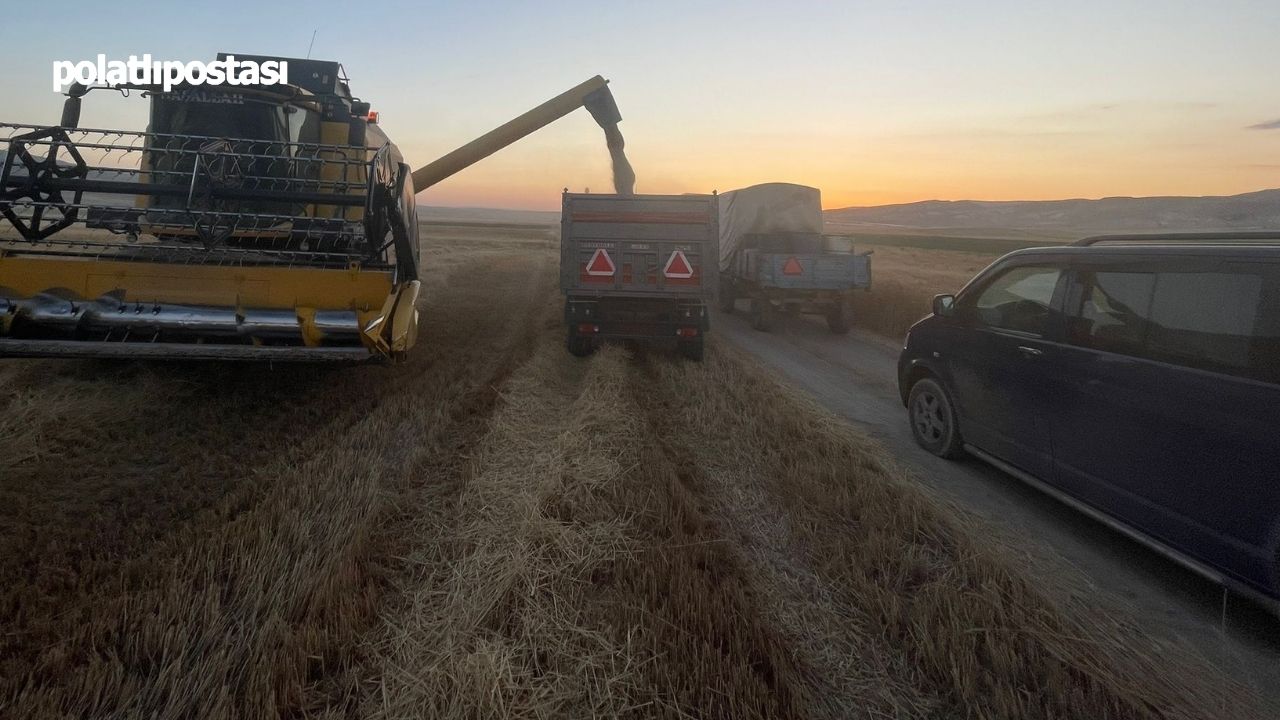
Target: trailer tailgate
639,245
809,271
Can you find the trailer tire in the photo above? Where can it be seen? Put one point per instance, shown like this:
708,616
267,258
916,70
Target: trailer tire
761,314
692,349
578,346
728,296
838,319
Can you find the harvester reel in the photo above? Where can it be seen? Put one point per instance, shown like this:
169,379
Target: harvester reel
40,184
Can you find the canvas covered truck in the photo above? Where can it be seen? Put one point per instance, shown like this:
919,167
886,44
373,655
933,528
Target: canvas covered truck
773,254
638,267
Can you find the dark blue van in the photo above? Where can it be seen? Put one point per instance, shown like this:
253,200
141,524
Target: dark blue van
1136,378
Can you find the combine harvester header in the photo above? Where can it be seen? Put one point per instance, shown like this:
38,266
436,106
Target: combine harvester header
272,222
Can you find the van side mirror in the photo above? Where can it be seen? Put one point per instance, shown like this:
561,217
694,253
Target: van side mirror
944,305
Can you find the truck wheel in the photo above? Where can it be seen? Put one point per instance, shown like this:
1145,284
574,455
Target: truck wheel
691,349
761,314
933,419
577,345
838,319
728,296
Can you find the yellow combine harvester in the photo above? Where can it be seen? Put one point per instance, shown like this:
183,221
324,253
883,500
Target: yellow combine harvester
270,222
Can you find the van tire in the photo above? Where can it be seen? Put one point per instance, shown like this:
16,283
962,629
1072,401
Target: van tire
933,419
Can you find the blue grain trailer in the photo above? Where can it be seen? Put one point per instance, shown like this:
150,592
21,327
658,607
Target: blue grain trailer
773,254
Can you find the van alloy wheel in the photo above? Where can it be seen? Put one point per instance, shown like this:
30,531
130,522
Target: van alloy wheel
933,419
929,421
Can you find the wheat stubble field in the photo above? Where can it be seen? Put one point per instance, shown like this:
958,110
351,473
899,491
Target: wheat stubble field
497,529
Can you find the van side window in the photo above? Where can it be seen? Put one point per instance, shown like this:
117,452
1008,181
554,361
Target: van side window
1205,320
1114,312
1018,300
1228,322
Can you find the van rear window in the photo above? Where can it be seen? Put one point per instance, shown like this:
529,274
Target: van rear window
1222,321
1205,319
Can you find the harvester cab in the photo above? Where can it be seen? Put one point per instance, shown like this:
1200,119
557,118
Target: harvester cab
271,222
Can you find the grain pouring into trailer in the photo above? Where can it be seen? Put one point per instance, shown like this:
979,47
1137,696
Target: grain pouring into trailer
265,222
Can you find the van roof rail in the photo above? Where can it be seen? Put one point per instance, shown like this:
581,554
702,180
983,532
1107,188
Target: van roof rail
1264,237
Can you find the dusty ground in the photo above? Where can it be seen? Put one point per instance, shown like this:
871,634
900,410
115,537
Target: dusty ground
497,529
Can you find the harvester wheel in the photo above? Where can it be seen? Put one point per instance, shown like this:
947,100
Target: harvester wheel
838,319
761,314
691,349
728,296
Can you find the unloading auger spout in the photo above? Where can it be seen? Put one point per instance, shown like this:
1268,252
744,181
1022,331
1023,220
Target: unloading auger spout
593,94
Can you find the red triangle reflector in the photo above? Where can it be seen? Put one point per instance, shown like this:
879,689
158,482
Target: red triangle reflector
600,264
678,266
792,267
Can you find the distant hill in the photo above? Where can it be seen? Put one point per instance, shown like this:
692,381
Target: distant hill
1250,211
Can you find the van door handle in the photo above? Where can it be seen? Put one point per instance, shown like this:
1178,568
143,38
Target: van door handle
1030,351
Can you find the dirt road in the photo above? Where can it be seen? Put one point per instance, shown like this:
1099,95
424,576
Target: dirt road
855,377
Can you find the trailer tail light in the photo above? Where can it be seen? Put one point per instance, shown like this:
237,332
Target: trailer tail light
588,329
687,332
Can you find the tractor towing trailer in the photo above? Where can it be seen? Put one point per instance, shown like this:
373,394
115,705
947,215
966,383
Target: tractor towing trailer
774,254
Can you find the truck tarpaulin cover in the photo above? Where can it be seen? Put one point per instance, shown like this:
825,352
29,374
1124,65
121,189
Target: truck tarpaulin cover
767,208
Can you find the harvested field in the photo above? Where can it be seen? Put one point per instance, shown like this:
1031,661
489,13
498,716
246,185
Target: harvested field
904,281
497,529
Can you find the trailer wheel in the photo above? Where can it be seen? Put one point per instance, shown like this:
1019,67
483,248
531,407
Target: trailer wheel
691,349
838,319
577,345
728,296
761,314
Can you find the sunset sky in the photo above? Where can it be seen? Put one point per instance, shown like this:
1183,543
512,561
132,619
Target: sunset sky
874,102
